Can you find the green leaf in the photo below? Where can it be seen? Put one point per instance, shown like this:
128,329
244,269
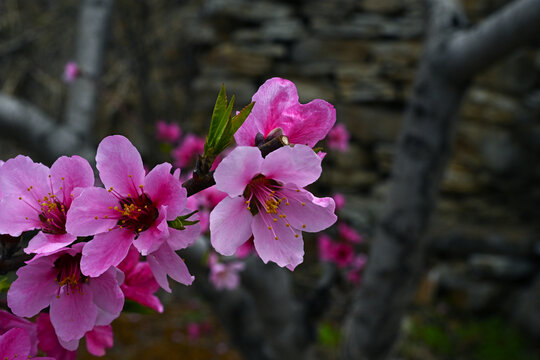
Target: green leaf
4,284
219,120
182,221
328,335
131,306
239,118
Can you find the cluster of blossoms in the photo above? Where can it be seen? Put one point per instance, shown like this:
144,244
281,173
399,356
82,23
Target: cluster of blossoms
186,149
340,249
89,240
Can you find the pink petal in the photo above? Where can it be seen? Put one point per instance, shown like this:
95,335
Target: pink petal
93,202
107,296
48,341
73,314
120,165
165,190
67,173
309,123
271,100
14,344
165,262
230,225
9,321
33,289
152,238
316,214
105,250
139,286
130,261
18,215
19,174
298,165
98,339
237,169
46,243
288,250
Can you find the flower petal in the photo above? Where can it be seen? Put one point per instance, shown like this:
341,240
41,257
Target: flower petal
181,239
287,250
230,225
21,176
309,122
93,202
120,165
237,169
49,343
271,100
14,344
107,296
73,314
316,214
98,339
33,289
105,250
18,215
67,173
299,165
165,262
166,190
139,286
46,243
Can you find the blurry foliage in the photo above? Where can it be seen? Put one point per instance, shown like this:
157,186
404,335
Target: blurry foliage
485,338
328,335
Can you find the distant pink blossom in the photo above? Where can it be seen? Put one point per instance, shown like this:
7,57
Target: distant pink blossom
9,321
36,197
71,71
15,344
343,254
196,330
139,284
97,340
77,302
224,275
326,247
133,209
338,138
348,233
322,154
168,132
277,107
245,249
267,199
188,150
340,201
354,275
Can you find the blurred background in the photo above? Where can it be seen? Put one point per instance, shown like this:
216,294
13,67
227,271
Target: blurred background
479,297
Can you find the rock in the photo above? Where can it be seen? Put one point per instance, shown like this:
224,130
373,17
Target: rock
246,9
457,179
500,267
362,83
526,310
283,29
482,105
500,153
371,124
237,60
383,6
384,154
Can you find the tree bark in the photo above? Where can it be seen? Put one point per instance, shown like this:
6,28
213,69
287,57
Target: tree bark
452,56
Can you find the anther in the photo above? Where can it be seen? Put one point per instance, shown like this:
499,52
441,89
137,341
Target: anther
95,217
303,226
269,228
276,238
303,204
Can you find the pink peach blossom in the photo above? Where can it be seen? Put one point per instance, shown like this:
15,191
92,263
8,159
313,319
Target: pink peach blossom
36,197
77,302
338,138
97,340
71,71
348,233
277,106
343,254
245,249
139,284
188,150
354,275
224,275
168,132
267,199
340,201
326,247
15,344
9,321
134,209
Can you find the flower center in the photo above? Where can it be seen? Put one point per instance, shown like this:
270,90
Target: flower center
69,273
138,213
52,215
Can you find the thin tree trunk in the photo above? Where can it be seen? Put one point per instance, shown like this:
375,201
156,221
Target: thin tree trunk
451,58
